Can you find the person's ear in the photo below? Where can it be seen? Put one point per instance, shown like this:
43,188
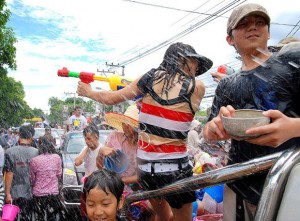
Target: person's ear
230,40
121,202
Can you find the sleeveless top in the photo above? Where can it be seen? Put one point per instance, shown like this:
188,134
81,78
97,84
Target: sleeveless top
164,121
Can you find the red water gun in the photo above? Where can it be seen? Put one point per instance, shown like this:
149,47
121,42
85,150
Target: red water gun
116,82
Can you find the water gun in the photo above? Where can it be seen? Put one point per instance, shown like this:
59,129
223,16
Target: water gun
116,82
223,69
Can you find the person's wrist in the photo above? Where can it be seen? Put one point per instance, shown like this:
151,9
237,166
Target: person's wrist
204,134
100,153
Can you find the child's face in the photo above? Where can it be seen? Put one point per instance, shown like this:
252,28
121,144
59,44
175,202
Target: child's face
101,206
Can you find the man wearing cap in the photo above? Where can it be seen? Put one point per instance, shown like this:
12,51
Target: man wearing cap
266,82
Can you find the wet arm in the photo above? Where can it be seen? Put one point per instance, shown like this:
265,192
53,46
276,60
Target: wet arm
8,181
109,97
279,131
80,158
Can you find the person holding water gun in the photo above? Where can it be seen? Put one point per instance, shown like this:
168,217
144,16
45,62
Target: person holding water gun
116,82
171,96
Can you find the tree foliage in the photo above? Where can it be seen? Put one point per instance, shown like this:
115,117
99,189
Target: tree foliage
13,108
7,41
57,113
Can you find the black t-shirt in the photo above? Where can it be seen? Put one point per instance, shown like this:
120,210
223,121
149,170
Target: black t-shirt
273,85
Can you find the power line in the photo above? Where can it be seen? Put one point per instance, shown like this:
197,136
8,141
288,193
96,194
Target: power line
188,22
194,27
167,7
293,29
187,31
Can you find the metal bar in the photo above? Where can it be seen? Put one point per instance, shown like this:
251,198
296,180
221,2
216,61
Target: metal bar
71,187
274,186
214,177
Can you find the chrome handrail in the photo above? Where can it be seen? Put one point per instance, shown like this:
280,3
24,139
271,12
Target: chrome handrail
71,187
267,209
214,177
274,186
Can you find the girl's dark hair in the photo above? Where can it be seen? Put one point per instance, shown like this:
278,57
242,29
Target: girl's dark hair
106,181
46,145
170,66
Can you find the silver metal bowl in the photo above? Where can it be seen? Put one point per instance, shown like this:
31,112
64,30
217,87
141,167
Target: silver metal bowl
243,120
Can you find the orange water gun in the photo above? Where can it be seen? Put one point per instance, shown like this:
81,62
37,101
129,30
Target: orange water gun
116,82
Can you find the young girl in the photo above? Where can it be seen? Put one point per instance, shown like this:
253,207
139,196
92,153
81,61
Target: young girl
103,195
171,96
45,173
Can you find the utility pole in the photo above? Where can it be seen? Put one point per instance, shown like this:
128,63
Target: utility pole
117,66
71,93
103,72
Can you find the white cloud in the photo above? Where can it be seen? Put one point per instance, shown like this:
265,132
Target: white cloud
117,28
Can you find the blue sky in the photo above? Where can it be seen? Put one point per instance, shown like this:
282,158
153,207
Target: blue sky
83,35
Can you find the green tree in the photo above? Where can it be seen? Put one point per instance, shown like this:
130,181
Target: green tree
7,41
13,108
37,112
57,114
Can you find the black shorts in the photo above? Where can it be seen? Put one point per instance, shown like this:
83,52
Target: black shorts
155,181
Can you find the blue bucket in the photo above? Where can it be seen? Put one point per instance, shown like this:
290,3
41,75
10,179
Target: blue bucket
117,163
216,192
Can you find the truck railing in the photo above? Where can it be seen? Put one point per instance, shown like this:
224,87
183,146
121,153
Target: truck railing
66,189
211,178
275,185
281,163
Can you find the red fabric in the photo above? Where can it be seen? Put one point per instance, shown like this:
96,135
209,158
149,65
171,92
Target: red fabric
163,148
89,120
165,113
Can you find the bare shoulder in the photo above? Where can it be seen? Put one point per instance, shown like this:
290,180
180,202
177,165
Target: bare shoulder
200,87
198,94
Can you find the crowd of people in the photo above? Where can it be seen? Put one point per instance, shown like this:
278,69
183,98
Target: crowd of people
160,137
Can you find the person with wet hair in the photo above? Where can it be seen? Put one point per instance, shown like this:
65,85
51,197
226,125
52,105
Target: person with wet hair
171,96
103,195
88,154
45,173
266,81
17,182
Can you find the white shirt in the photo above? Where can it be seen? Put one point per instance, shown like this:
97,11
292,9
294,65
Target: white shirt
77,123
90,160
